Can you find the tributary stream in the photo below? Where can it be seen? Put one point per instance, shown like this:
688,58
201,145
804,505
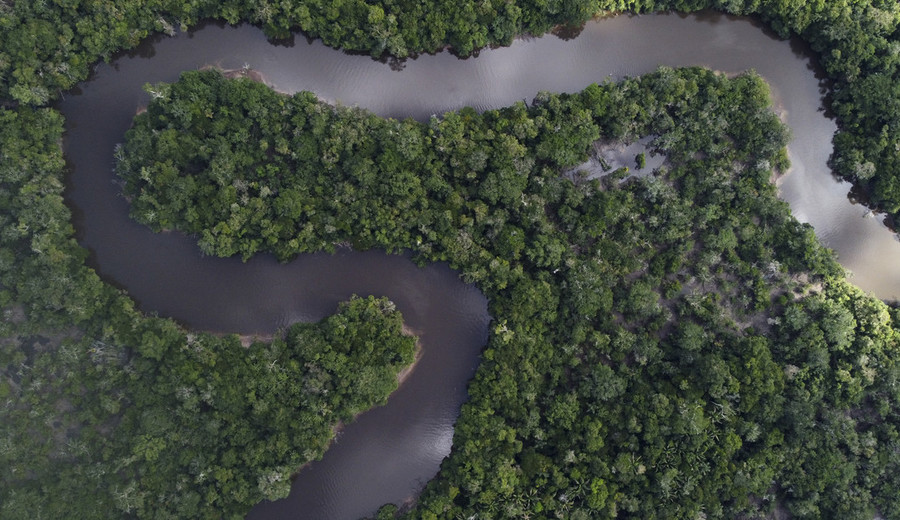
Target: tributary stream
389,453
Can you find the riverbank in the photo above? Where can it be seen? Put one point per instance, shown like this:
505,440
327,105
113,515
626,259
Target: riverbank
404,373
245,72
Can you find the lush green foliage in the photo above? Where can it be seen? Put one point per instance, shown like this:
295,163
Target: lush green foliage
663,347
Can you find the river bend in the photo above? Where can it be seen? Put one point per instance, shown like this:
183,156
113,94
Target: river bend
389,452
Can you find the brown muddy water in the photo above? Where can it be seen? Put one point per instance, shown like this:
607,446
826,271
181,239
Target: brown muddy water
390,452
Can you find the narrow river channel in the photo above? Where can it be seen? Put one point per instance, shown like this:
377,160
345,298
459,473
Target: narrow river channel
390,452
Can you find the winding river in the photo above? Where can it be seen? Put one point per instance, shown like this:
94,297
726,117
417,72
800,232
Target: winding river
390,452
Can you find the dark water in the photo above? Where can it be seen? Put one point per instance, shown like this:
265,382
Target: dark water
390,452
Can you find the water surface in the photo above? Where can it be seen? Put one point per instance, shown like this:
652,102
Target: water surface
388,454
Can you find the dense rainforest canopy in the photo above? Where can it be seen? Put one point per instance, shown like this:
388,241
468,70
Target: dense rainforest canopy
670,346
664,346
